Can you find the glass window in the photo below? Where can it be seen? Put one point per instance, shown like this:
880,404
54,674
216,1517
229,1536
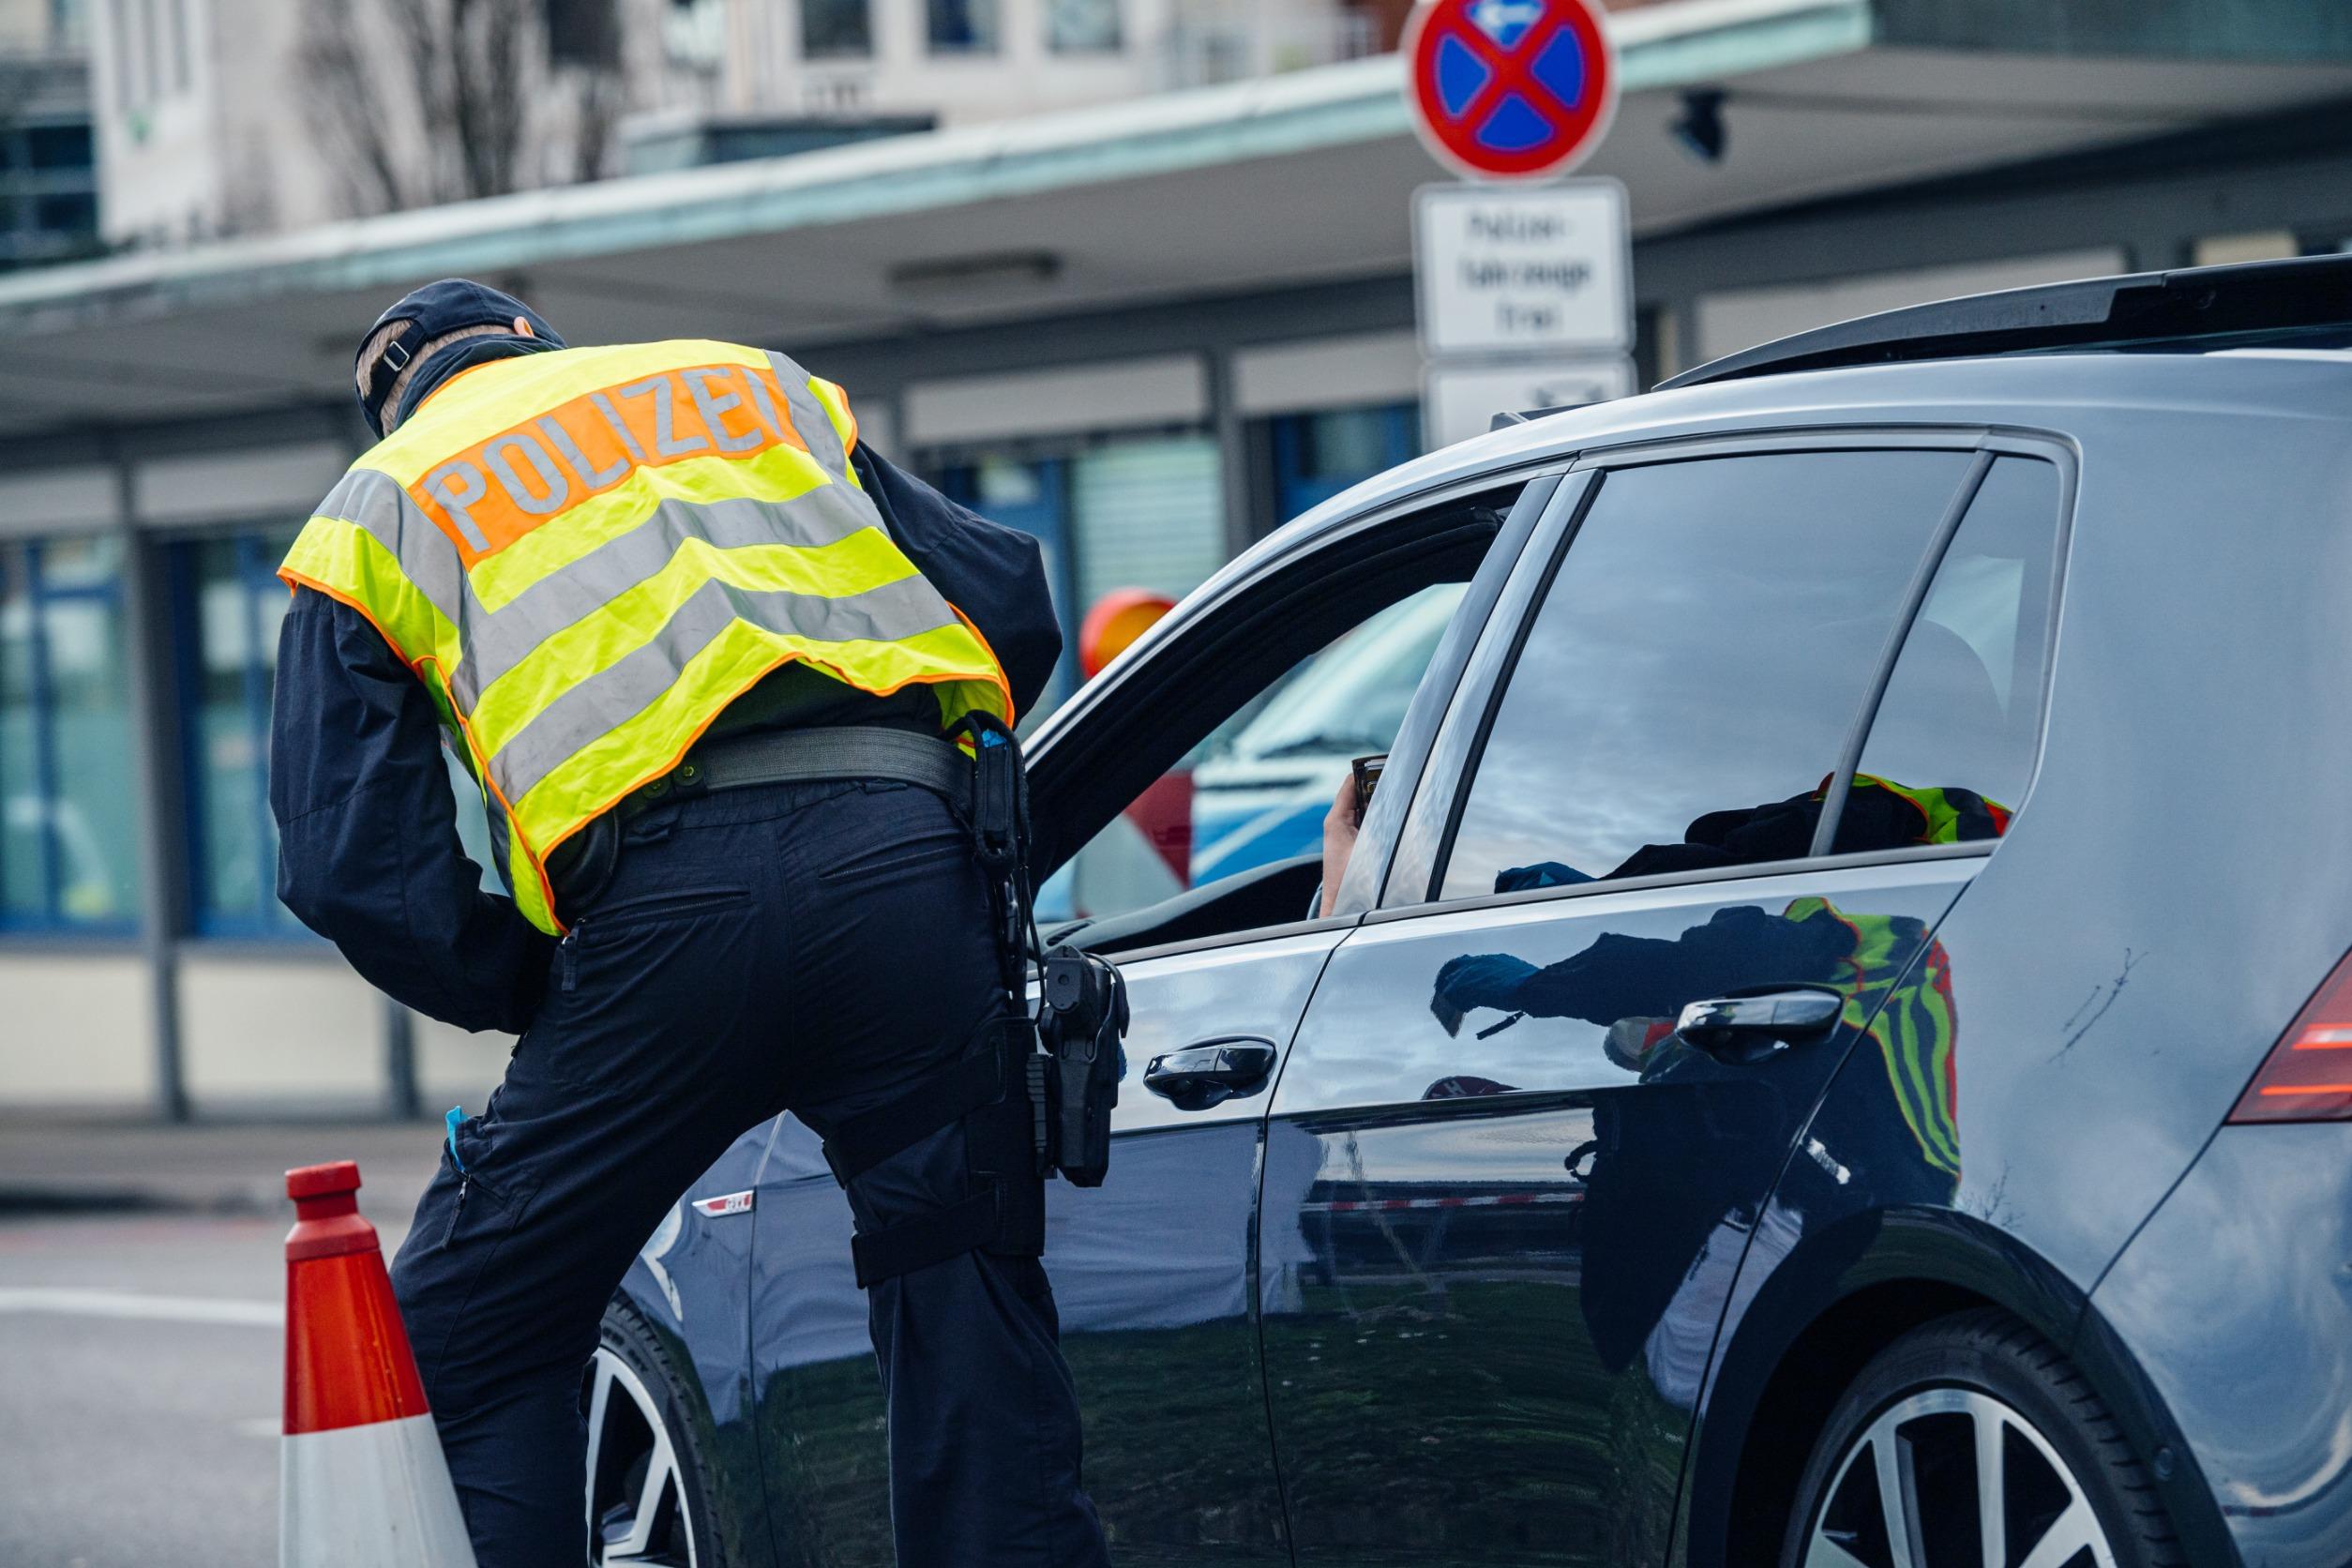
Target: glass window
1963,709
58,146
583,33
231,602
1693,676
1148,512
1082,26
68,839
1254,792
1128,512
1315,456
1033,495
75,213
963,27
834,29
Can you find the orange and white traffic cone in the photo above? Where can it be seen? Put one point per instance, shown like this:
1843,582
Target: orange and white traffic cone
362,1483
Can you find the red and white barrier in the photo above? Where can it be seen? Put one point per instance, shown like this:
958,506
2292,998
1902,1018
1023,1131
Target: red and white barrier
361,1479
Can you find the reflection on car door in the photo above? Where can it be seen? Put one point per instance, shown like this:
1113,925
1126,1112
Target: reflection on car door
1496,1236
1504,1192
1151,1275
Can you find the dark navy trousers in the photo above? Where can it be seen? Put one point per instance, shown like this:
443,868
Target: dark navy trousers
810,947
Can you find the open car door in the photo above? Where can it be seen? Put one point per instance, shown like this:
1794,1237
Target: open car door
1152,1271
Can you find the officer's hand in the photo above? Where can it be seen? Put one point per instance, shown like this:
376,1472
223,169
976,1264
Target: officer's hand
1339,839
1477,980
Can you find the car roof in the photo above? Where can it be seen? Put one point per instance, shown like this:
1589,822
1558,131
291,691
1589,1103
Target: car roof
2108,393
2042,390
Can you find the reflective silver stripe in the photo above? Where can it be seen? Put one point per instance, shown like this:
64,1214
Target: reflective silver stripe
375,502
610,697
495,641
810,417
503,638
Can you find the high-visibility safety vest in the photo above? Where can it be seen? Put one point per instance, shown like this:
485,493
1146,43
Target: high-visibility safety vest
1902,996
586,554
1947,816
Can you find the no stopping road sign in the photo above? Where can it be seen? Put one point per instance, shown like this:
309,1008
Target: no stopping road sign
1509,89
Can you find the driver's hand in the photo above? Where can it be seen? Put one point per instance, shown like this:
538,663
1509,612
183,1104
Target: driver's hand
1339,839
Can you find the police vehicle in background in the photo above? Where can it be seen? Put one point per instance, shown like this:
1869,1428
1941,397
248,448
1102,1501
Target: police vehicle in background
1836,1044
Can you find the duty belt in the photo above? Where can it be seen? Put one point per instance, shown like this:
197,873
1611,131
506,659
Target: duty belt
842,752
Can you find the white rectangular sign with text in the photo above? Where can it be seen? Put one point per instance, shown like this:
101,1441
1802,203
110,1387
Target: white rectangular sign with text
1548,269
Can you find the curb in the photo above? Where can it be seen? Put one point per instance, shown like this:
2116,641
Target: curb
34,1203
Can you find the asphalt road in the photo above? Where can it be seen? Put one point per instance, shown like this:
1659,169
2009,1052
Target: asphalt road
139,1387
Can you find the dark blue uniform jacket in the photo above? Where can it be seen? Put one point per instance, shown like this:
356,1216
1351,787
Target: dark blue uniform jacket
369,855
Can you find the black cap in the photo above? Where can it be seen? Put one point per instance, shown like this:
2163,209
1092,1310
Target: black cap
433,311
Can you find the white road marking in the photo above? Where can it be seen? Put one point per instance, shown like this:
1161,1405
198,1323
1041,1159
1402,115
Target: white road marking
132,1305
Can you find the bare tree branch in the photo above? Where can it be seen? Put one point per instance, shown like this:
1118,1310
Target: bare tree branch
345,109
430,101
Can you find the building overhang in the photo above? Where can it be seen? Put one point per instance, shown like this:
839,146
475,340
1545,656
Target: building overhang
1272,184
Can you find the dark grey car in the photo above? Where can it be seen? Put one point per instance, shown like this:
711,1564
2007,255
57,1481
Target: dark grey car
1826,1051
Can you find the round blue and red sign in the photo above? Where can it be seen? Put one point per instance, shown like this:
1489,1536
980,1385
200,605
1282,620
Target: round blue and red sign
1509,89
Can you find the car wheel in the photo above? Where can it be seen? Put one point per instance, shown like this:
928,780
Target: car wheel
1973,1441
647,1499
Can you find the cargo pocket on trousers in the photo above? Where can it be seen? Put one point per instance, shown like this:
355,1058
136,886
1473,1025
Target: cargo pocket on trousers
474,1205
489,1200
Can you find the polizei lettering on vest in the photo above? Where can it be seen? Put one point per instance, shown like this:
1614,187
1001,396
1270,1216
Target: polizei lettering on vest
457,485
488,496
558,490
713,406
665,395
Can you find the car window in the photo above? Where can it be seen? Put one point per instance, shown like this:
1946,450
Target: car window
1955,733
1690,682
1254,792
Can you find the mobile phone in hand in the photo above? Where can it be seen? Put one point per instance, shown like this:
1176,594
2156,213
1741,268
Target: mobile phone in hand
1367,772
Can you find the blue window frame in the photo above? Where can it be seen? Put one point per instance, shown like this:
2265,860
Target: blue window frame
227,603
68,833
1317,455
1031,494
963,27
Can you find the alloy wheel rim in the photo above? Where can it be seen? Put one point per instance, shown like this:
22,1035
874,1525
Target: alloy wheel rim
1953,1478
637,1502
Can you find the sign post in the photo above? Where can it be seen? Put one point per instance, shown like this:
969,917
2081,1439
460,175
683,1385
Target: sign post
1525,289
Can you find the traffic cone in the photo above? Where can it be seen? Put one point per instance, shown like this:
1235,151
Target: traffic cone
362,1483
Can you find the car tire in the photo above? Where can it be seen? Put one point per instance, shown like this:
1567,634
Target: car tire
648,1496
1943,1407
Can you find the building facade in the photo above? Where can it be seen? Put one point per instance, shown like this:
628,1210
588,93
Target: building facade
1147,333
222,118
48,160
964,60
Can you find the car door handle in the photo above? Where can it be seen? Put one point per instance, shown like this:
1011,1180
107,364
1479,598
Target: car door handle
1212,1072
1749,1027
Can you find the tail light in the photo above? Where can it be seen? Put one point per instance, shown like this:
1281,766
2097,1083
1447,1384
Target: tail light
2308,1073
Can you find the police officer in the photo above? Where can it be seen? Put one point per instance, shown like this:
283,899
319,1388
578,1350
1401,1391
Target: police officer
697,650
